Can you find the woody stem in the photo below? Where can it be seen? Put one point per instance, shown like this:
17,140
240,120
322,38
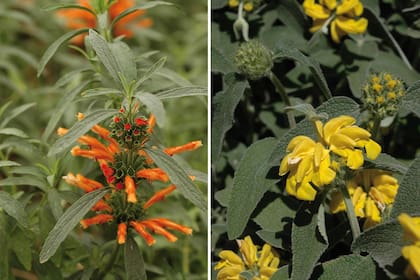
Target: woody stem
351,215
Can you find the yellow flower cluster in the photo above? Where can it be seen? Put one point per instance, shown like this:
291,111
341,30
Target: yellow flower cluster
372,191
308,163
382,93
261,263
343,18
249,5
411,252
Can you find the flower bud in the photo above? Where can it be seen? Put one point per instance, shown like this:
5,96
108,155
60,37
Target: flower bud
253,60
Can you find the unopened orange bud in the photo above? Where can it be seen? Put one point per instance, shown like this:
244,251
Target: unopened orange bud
62,131
101,205
152,122
122,233
130,189
80,116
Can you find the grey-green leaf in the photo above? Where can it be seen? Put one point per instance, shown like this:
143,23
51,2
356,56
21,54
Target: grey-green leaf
408,196
133,259
7,163
411,100
225,103
150,71
79,129
349,267
52,49
13,132
178,177
249,185
155,105
68,221
181,92
387,162
13,208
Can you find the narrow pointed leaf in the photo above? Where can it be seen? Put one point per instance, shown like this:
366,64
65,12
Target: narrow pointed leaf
178,177
16,112
150,71
13,208
6,163
182,91
68,221
79,129
155,105
13,132
133,259
68,6
52,49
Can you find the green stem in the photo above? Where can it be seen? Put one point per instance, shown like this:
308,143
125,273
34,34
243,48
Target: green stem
110,263
354,224
280,89
376,127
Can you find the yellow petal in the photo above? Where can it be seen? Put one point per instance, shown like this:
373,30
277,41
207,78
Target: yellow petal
355,159
331,4
358,9
411,227
412,254
304,169
373,149
352,26
346,6
335,124
297,140
231,257
359,199
315,11
318,154
291,185
356,133
284,167
341,141
230,273
249,251
265,256
305,191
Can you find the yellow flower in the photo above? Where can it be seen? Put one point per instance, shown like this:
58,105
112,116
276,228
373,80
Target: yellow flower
248,6
371,191
233,3
411,227
262,263
307,162
348,140
344,17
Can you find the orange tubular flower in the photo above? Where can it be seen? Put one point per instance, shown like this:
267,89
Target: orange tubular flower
98,219
158,196
122,233
153,174
82,182
130,189
159,230
78,18
169,224
187,147
101,205
141,229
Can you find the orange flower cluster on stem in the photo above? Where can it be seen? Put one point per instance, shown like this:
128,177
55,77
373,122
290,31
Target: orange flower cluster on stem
78,18
125,165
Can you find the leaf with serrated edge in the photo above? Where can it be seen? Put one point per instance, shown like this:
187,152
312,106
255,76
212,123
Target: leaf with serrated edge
249,185
178,177
52,49
133,259
79,129
13,208
68,221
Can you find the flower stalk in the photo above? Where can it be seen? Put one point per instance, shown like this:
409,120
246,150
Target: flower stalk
280,89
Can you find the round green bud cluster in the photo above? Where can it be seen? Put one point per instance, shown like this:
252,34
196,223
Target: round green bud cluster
253,60
382,94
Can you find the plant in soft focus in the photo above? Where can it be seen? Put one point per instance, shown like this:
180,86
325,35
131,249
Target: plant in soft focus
411,227
342,18
86,16
251,264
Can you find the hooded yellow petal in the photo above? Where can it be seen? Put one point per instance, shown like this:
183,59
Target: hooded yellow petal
229,273
297,140
333,125
335,33
249,251
358,199
411,227
230,257
355,159
346,6
284,166
356,133
265,256
352,26
358,9
412,254
304,169
341,141
315,11
305,191
373,149
331,4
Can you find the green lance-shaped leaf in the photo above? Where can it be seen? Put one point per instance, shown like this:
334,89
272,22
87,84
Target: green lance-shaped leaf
313,66
79,129
150,71
13,132
7,163
69,6
182,92
349,267
249,185
14,208
411,100
143,6
408,195
16,112
22,247
376,22
281,274
155,105
24,181
307,242
61,107
225,103
106,56
178,177
68,221
94,92
383,243
125,59
52,49
133,259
